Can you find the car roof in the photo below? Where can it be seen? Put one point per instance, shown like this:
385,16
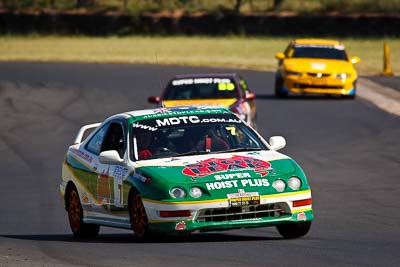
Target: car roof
205,75
317,42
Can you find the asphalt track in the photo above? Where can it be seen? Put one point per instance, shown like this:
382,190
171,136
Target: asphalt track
349,149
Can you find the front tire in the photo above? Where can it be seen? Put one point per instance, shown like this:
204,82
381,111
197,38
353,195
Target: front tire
294,230
138,216
349,96
279,86
75,217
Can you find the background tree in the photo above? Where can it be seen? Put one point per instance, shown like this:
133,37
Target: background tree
276,4
85,3
238,4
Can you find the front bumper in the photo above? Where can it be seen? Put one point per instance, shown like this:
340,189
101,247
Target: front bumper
331,86
218,215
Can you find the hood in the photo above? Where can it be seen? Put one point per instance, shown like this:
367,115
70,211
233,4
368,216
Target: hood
215,167
226,102
318,65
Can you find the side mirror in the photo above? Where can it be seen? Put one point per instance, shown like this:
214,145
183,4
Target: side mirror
277,142
110,157
250,95
154,99
280,56
355,60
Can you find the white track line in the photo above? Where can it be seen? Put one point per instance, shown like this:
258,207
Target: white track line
383,97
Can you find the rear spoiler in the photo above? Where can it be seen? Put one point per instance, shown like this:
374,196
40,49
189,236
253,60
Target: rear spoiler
82,130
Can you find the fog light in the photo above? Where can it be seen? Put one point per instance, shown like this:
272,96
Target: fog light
294,183
177,192
195,192
279,185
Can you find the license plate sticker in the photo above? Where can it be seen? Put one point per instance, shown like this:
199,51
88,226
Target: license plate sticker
244,199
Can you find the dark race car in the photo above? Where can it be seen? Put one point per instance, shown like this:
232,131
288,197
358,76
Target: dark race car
228,90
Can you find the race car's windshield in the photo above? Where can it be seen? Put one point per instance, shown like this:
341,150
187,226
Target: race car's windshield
324,52
192,135
201,88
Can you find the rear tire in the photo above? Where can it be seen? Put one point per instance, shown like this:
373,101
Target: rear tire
279,86
138,216
75,217
294,230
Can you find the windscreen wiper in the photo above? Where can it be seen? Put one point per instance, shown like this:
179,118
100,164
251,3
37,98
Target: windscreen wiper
193,152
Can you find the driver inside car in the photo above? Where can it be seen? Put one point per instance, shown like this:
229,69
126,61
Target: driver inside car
150,144
209,141
143,145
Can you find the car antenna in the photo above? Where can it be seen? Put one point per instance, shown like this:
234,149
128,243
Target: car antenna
158,77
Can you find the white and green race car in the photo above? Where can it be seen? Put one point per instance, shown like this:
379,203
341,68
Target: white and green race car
181,170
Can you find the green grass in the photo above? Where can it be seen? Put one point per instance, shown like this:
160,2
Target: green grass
226,52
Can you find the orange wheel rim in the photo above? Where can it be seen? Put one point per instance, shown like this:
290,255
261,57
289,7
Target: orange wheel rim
138,217
74,211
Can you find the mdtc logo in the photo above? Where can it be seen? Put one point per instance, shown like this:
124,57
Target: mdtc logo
213,165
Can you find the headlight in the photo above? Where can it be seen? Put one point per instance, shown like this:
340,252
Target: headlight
342,75
294,183
177,192
279,185
195,192
293,73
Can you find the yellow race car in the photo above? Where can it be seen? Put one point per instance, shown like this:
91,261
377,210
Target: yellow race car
316,66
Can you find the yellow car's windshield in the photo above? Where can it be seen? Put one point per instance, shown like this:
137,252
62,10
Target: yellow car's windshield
323,52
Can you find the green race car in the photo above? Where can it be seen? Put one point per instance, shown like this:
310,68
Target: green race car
181,170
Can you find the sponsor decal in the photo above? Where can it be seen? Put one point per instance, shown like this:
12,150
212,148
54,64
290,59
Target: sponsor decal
238,183
120,172
144,127
179,120
172,109
226,87
192,120
243,198
180,226
185,111
82,155
103,186
238,175
234,163
201,81
301,216
141,178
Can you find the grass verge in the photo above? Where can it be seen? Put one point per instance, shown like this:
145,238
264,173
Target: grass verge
225,52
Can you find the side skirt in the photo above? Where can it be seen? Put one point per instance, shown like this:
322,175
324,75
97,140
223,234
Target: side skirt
108,222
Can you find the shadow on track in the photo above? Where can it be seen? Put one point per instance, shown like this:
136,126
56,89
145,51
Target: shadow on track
131,238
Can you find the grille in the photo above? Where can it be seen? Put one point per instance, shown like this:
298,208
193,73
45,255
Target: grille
318,75
304,86
240,213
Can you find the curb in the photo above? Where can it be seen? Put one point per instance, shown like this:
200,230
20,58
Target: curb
383,97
